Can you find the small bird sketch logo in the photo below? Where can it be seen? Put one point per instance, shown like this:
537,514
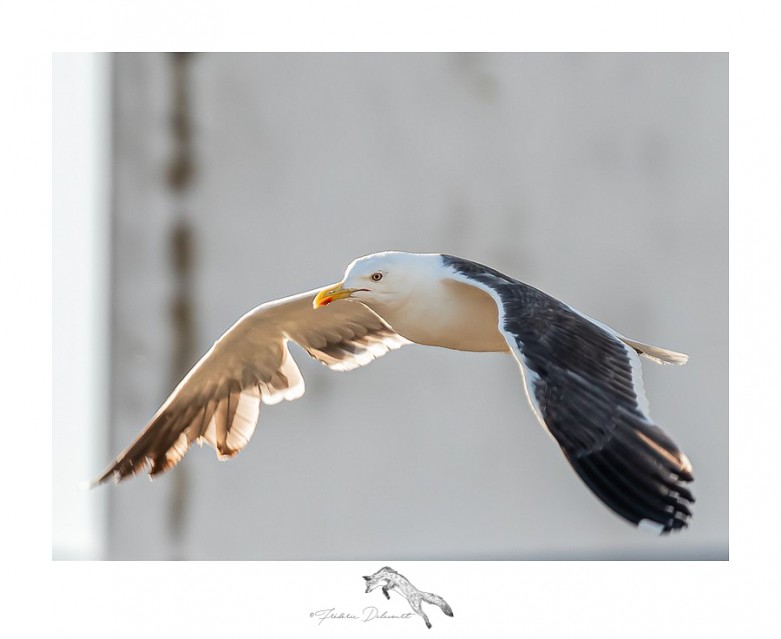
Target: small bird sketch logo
389,579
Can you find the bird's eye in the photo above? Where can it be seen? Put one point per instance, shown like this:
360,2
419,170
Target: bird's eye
376,277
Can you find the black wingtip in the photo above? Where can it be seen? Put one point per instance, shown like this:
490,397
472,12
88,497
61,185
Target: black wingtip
108,474
641,476
94,483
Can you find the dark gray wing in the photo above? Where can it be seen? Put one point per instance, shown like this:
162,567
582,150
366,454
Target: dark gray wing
585,386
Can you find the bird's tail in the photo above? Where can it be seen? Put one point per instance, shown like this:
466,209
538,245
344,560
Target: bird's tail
657,354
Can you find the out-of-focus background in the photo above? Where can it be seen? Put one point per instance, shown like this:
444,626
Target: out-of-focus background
190,188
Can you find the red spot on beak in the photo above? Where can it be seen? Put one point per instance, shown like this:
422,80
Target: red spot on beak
326,301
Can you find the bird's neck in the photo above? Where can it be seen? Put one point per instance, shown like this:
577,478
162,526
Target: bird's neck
446,313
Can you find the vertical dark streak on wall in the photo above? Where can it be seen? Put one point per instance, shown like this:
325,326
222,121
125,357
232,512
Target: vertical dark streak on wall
181,247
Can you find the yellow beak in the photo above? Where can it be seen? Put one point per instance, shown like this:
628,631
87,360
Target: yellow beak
331,294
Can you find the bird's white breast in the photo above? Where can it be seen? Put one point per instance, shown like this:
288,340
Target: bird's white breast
449,314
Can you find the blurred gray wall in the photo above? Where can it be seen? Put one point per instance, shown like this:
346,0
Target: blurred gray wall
601,179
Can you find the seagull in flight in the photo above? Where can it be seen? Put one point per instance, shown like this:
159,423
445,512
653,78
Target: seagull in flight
583,379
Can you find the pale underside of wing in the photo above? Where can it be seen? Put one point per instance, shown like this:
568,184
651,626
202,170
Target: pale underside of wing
584,383
218,402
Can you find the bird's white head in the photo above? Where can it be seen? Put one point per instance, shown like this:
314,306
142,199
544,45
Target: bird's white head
382,279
